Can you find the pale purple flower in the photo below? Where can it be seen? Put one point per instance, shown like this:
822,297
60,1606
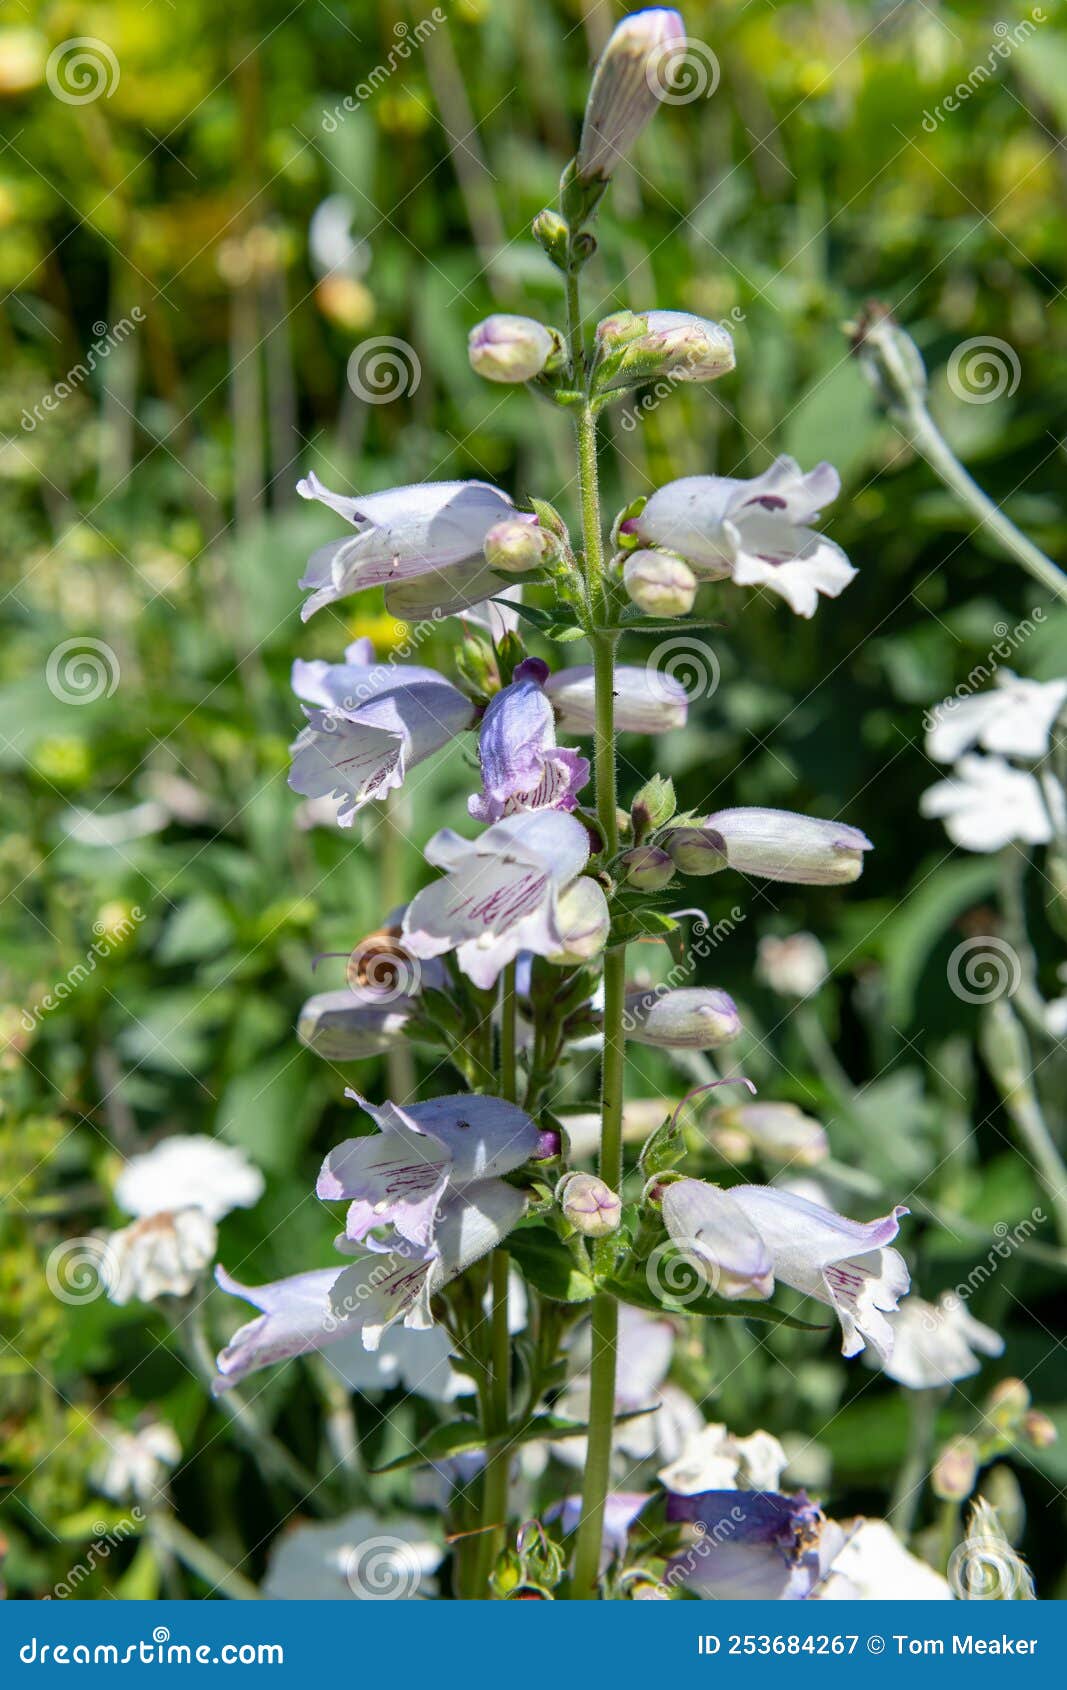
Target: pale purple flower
499,894
690,1018
401,533
645,1347
308,1311
755,532
644,344
753,1545
844,1263
510,349
395,1179
522,766
646,702
345,1026
359,1557
374,724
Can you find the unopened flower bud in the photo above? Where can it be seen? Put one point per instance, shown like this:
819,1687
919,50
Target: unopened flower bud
694,1018
779,845
625,91
647,701
583,919
592,1208
795,966
955,1471
696,851
1008,1400
636,346
648,868
659,583
510,349
1038,1429
652,806
519,544
551,232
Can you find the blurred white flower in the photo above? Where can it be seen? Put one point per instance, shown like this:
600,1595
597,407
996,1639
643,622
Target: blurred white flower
713,1459
1013,718
189,1171
795,966
935,1344
356,1558
985,804
137,1461
162,1255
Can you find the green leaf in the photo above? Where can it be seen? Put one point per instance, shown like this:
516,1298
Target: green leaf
640,924
532,613
635,1289
549,1266
635,622
663,1149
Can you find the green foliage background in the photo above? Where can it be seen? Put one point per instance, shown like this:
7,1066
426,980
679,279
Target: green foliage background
153,509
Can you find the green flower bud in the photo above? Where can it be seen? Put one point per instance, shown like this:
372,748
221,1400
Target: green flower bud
696,850
955,1471
648,868
519,544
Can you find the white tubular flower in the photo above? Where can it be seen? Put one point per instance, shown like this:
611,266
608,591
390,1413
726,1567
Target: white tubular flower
755,532
646,702
637,346
1013,719
844,1263
712,1231
343,1026
936,1344
985,804
713,1459
360,1557
401,534
584,922
162,1255
659,584
189,1171
137,1461
500,893
874,1566
779,845
623,97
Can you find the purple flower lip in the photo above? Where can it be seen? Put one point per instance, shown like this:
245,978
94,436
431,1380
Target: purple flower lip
549,1144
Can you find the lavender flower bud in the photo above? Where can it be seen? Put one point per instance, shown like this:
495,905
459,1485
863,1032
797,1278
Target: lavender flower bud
778,845
659,583
517,545
695,850
623,97
955,1471
648,868
510,349
695,1018
592,1208
1039,1430
635,346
